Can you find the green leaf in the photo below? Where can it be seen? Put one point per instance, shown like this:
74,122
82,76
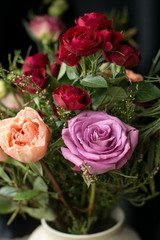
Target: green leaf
40,185
62,71
36,167
116,94
155,67
12,161
36,100
94,81
13,216
116,69
72,73
151,156
98,97
8,191
146,91
4,176
40,213
7,206
26,194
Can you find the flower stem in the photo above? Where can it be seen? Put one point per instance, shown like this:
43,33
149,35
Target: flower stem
84,66
55,185
91,200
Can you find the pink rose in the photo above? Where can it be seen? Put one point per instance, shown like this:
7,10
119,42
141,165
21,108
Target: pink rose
46,26
123,55
93,20
38,60
98,141
25,137
77,42
3,156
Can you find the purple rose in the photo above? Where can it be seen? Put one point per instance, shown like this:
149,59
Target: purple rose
98,141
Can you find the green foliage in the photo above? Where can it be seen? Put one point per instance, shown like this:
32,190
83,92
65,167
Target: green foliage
94,82
145,92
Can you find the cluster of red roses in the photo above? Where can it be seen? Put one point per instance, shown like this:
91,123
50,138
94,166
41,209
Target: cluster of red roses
92,33
67,97
35,68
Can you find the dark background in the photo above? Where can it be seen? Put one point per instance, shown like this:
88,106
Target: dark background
142,13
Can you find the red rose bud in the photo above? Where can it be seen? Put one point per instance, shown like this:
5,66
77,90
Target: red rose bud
54,69
77,42
55,111
36,61
123,55
71,97
93,20
36,80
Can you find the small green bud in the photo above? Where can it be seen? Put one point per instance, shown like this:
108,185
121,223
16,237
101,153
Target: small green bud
3,89
57,8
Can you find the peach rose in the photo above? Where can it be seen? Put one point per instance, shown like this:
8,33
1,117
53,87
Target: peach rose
134,77
25,137
3,156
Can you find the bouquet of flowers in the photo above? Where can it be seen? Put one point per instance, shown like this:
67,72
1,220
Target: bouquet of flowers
79,130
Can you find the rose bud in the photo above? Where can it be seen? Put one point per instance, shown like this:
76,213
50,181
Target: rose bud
77,42
36,81
3,89
25,137
93,20
36,61
123,55
71,97
3,156
54,69
98,141
134,77
48,27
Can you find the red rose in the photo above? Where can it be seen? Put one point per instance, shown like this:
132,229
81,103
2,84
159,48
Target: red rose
123,55
46,26
96,21
36,61
71,97
110,39
38,78
77,42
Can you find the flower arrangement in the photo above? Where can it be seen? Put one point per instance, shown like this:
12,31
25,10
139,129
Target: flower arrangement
79,130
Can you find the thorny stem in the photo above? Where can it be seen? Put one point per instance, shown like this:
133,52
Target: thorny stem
91,200
56,186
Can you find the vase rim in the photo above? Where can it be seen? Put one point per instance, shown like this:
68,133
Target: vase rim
117,214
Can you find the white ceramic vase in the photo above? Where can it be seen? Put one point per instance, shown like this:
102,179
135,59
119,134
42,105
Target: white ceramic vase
118,232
